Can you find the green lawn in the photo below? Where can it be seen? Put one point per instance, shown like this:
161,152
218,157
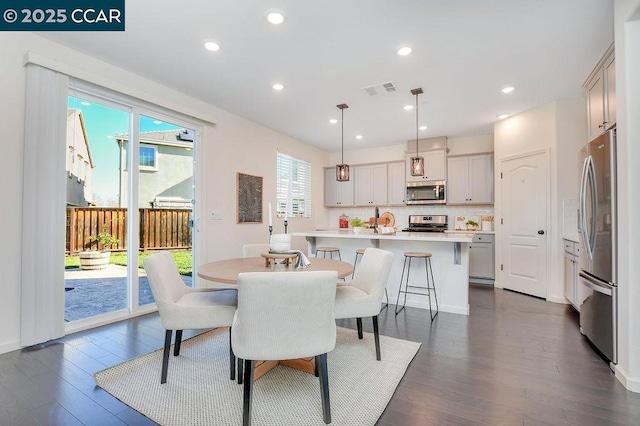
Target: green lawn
182,258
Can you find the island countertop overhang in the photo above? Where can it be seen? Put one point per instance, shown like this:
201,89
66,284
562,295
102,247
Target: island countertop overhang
399,236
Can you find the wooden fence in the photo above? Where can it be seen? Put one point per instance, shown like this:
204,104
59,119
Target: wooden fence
159,228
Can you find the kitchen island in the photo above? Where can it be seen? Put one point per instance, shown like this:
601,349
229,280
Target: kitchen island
450,261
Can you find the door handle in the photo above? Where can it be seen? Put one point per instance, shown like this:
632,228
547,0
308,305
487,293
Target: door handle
541,232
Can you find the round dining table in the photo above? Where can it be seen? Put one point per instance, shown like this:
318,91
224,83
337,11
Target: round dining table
226,271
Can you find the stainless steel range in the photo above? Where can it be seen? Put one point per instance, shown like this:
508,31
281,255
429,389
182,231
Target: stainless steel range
427,223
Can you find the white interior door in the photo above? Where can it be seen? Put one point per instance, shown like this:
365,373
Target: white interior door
525,198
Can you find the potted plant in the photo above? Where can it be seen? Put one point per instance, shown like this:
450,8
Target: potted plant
99,258
472,225
357,224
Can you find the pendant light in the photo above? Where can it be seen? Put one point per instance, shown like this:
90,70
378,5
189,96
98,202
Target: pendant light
342,170
417,162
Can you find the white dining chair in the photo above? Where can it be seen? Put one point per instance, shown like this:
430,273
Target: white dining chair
362,296
254,250
285,315
182,307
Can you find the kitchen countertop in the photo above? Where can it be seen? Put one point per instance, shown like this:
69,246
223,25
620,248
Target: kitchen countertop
368,234
451,231
571,237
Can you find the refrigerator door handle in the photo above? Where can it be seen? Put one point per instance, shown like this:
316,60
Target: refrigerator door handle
582,222
595,286
594,207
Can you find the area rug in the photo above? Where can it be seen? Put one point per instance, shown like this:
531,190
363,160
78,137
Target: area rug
198,390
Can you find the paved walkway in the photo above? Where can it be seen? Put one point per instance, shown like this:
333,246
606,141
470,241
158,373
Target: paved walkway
91,293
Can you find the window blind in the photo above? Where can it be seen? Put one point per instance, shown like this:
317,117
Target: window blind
294,187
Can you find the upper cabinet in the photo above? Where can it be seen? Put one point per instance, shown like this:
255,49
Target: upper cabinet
470,179
337,194
601,95
396,185
435,166
370,184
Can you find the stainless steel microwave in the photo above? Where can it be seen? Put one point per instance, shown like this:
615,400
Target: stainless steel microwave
427,192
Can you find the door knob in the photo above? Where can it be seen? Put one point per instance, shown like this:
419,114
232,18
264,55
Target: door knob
541,232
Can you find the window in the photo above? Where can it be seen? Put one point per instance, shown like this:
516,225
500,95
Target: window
294,187
148,157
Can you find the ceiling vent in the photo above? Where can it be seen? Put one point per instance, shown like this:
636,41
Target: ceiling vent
380,89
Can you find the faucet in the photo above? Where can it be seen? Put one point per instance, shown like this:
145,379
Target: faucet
375,221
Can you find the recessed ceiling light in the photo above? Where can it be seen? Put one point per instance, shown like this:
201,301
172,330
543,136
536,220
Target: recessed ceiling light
277,86
404,50
503,116
358,137
212,45
109,137
423,127
157,122
85,103
408,107
507,89
333,121
275,16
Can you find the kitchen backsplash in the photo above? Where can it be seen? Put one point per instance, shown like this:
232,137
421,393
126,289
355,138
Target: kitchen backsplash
401,214
570,216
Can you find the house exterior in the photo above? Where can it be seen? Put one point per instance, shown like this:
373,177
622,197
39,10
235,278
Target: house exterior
79,162
166,169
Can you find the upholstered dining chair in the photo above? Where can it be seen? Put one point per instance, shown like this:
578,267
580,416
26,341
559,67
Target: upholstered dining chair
254,250
285,315
182,307
362,296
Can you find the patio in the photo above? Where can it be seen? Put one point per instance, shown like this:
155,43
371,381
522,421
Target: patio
91,293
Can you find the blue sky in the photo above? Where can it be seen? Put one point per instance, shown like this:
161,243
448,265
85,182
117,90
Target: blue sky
102,123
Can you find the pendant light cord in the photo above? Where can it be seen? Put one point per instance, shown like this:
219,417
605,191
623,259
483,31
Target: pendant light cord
417,124
342,142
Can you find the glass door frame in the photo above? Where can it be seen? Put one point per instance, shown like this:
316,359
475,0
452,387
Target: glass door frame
136,108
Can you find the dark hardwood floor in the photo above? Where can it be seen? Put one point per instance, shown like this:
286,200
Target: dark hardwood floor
515,360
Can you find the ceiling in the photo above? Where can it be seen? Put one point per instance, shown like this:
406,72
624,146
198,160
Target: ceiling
464,53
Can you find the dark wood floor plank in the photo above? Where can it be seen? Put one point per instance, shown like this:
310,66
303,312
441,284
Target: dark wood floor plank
515,360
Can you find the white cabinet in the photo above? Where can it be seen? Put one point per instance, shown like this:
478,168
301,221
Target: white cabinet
482,259
370,184
470,179
571,262
337,194
601,95
435,166
396,185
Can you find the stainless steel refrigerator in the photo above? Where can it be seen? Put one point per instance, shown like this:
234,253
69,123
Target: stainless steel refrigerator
598,237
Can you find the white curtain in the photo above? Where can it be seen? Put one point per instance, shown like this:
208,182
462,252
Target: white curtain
43,206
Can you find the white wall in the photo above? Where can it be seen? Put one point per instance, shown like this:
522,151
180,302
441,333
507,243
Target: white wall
232,145
627,44
559,127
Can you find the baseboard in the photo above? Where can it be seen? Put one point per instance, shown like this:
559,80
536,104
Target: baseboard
10,347
556,299
486,281
630,383
441,307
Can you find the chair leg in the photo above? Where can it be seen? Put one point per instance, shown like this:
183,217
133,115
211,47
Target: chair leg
376,335
321,362
404,266
165,355
386,304
232,359
248,391
176,346
359,324
435,295
240,370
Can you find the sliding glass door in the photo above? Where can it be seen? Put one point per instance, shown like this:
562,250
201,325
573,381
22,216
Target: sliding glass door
130,193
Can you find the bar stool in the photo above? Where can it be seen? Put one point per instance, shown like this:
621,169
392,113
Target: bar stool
355,261
330,250
421,290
